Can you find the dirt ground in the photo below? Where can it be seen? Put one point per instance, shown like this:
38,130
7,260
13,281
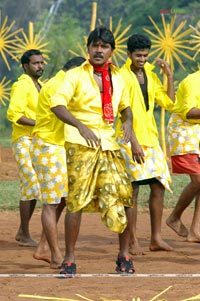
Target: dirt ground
24,278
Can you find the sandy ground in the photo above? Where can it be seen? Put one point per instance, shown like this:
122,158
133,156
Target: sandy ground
24,278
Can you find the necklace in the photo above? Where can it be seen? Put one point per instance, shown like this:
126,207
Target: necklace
139,74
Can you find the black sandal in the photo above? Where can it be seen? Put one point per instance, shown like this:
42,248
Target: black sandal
68,269
124,265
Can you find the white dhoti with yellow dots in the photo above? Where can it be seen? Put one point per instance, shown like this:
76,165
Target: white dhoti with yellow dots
154,166
29,185
98,182
49,161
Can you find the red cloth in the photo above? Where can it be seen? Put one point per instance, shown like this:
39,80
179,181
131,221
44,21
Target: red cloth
186,164
107,93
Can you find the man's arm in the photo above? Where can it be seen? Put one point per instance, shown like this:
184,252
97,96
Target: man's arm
26,121
129,135
170,80
63,114
194,113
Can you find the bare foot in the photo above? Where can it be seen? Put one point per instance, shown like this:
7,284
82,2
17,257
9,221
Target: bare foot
160,245
27,243
56,264
178,227
19,235
135,249
42,252
193,237
44,257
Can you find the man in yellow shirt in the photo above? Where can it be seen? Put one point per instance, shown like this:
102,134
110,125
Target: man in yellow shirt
49,159
184,137
21,112
148,166
89,99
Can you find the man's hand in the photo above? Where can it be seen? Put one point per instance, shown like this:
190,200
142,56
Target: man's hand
91,139
137,151
164,66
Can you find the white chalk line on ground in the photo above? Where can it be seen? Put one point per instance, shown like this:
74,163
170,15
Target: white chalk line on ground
99,275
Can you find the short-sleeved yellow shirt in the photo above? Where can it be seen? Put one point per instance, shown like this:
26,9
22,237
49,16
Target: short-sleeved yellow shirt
80,93
48,126
183,133
23,102
144,123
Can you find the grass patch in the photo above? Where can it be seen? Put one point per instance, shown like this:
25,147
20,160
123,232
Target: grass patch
10,193
170,200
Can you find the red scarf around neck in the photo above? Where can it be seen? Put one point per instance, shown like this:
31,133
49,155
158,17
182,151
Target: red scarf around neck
107,92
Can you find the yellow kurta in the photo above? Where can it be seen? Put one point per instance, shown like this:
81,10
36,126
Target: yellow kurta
145,128
23,102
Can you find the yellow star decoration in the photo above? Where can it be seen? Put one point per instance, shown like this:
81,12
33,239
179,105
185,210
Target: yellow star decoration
196,39
4,90
170,42
32,41
6,41
120,38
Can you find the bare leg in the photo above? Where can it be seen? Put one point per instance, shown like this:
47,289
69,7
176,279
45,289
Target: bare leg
194,231
43,251
156,210
49,224
124,242
185,199
23,234
72,227
135,248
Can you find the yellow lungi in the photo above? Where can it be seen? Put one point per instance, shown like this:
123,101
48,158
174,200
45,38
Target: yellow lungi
98,182
29,185
155,165
49,161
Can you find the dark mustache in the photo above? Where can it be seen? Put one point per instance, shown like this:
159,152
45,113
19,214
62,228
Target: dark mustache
98,56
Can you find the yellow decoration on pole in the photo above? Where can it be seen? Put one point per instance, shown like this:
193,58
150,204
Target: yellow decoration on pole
94,16
170,44
196,39
32,41
120,38
4,90
7,41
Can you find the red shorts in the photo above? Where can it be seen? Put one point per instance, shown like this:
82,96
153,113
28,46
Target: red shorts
186,164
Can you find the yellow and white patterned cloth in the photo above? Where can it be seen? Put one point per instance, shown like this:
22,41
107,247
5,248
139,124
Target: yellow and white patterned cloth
98,182
183,137
49,161
155,165
29,185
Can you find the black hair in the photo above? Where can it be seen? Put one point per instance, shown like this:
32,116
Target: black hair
138,41
25,59
101,33
75,61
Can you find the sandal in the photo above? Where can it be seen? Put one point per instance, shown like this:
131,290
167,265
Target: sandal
124,265
68,269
